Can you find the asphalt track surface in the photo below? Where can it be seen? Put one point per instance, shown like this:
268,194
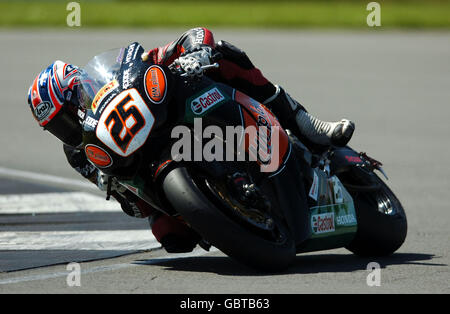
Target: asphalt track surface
394,85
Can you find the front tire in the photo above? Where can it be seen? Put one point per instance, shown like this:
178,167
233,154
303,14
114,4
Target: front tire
221,230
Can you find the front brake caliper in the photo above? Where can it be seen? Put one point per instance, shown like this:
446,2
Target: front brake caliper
247,192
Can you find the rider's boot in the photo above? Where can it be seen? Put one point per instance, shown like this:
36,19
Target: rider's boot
294,116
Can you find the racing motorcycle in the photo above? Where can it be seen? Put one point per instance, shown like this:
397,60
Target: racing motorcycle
310,200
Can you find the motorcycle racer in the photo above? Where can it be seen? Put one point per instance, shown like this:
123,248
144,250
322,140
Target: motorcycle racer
195,48
53,100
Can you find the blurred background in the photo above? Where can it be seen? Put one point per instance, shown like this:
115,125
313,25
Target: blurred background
406,14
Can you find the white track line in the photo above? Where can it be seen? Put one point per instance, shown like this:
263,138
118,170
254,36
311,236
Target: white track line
40,177
65,202
128,240
98,269
62,274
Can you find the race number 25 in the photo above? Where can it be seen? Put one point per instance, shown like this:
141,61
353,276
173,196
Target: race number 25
125,123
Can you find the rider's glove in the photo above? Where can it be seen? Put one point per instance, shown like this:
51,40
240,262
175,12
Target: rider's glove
192,60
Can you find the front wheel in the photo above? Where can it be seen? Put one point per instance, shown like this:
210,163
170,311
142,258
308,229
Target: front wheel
382,224
250,245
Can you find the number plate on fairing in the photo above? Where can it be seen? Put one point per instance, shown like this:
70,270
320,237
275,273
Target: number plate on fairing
125,123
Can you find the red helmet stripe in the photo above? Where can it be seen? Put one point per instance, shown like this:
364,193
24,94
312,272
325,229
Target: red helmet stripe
35,96
66,75
52,94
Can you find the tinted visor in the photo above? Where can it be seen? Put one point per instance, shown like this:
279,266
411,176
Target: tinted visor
66,127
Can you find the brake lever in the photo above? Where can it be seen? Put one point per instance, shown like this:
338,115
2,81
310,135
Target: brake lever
204,68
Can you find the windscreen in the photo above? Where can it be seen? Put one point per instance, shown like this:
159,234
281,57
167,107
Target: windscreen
101,70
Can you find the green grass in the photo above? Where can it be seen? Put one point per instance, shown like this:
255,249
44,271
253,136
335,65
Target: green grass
245,13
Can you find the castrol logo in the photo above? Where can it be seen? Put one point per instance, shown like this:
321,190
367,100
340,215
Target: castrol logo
323,223
206,101
43,110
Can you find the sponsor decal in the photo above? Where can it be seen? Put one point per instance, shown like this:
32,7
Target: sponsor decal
126,78
314,190
206,101
129,55
98,156
102,93
132,189
336,187
269,145
323,223
106,101
353,159
155,84
199,36
43,110
263,122
81,114
90,122
346,220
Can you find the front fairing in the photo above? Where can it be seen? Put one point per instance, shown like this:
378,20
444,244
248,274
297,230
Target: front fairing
121,116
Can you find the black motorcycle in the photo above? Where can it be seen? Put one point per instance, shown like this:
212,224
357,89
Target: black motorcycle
262,202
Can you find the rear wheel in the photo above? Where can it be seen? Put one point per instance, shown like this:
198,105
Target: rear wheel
251,236
382,224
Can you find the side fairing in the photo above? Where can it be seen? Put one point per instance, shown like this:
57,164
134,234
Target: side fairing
261,136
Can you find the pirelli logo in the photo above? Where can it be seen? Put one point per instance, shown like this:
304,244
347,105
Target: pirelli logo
102,93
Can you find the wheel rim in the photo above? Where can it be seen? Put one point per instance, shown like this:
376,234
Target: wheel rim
261,223
385,204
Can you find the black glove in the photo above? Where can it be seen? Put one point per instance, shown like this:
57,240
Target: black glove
192,61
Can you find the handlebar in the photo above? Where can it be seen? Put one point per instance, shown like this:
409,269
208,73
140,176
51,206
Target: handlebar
204,68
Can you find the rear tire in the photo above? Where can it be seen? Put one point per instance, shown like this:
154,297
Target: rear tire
222,231
382,224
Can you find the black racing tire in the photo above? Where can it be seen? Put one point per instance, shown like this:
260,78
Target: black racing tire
221,231
379,233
